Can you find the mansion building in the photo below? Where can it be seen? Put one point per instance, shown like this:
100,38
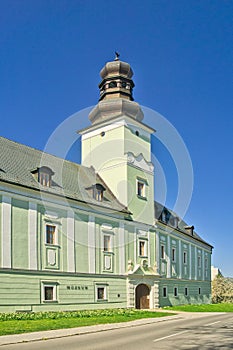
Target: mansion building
91,235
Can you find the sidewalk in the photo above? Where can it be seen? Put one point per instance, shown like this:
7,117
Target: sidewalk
60,333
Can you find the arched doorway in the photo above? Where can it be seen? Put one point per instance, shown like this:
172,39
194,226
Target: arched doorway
142,296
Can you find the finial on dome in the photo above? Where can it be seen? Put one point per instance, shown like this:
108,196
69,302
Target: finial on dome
117,56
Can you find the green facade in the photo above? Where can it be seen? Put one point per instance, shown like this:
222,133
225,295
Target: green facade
91,236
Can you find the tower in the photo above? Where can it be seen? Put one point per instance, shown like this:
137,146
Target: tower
118,143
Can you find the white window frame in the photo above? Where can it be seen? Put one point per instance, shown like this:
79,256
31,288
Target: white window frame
104,286
143,182
55,233
110,234
173,255
49,284
162,251
109,246
145,247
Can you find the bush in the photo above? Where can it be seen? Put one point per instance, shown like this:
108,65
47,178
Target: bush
66,314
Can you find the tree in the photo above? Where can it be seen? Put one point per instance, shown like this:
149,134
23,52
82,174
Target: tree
222,290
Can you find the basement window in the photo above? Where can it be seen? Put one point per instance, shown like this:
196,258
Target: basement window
101,292
164,292
49,291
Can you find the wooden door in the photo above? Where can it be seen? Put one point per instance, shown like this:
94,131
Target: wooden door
142,297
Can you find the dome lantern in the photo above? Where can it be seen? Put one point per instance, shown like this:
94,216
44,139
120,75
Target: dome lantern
116,80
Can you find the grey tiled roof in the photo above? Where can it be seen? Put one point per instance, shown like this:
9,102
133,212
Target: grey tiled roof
18,162
181,224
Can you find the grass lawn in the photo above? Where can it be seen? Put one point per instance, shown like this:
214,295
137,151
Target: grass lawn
33,322
224,307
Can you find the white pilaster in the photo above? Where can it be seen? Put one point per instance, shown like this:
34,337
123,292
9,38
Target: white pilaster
32,236
157,251
168,257
70,242
135,245
121,242
91,244
180,260
149,248
6,232
190,261
203,265
195,262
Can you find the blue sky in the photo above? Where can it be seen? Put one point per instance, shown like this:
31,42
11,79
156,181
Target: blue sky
181,54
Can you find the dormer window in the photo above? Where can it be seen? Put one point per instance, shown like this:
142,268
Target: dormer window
98,195
44,176
44,179
98,192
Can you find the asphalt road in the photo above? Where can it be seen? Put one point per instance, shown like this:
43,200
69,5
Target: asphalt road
193,331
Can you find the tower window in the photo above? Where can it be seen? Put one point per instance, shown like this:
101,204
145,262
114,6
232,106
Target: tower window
137,133
112,84
141,189
123,84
